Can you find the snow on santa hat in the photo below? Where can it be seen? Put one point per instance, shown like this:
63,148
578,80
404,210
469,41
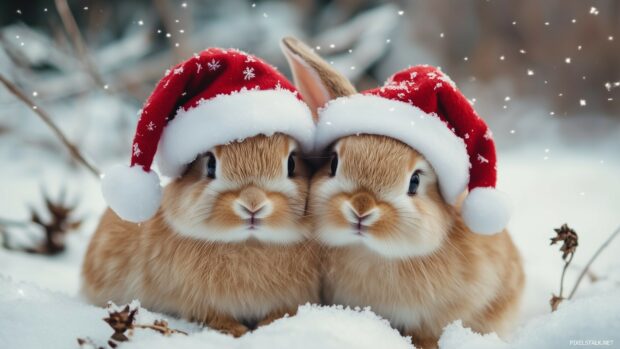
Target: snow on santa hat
216,97
421,107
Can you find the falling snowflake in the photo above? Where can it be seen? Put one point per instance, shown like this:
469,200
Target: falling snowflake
248,73
150,126
213,65
482,159
136,150
198,67
608,85
178,71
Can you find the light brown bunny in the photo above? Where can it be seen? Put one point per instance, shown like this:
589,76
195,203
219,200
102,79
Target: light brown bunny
396,246
227,247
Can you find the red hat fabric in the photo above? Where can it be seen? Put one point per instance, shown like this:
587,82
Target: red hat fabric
422,107
215,97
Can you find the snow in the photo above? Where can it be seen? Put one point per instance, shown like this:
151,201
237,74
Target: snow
59,320
594,319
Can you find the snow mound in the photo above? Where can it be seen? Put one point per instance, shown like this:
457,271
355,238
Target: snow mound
58,320
592,321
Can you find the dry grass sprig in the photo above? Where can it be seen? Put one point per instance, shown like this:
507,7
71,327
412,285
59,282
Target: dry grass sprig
123,323
61,221
570,241
586,269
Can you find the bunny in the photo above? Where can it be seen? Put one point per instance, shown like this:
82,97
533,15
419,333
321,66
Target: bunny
228,244
401,234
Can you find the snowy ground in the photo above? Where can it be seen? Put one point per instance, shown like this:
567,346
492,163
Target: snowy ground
551,181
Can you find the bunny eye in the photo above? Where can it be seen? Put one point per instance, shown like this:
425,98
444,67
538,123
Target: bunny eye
334,164
414,183
291,164
210,167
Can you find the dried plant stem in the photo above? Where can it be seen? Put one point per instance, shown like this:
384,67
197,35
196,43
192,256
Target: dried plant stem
587,267
570,259
73,150
160,329
78,41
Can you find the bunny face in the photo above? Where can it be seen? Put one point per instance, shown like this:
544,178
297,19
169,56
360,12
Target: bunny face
380,193
254,189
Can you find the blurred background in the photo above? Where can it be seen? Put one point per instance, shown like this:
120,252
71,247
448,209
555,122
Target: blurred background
544,74
558,57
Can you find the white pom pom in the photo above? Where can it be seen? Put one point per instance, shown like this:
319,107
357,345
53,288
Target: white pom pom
131,192
486,210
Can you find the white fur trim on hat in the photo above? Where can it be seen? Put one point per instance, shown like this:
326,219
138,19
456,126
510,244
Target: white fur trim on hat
424,132
131,192
486,210
228,118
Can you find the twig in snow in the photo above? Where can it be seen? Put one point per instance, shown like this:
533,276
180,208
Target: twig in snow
73,150
123,324
78,42
161,326
570,242
594,256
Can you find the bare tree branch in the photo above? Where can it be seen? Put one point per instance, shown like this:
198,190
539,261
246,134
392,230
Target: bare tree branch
78,41
73,150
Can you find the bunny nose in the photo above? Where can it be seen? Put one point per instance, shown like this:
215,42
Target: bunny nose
252,203
362,205
361,210
251,211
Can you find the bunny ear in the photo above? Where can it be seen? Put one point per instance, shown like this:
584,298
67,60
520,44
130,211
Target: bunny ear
317,81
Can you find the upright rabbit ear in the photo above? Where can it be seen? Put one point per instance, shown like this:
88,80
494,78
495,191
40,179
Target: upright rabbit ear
317,81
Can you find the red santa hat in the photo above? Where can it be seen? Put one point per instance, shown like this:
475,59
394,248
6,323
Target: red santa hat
422,107
216,97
